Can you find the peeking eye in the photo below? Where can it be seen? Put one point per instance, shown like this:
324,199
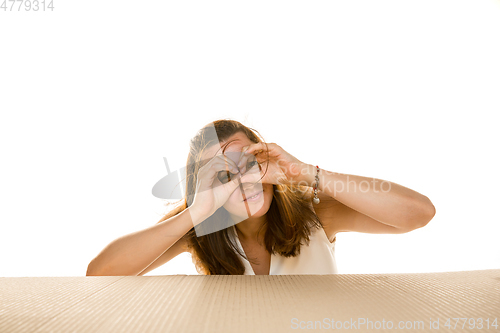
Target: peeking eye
225,176
251,164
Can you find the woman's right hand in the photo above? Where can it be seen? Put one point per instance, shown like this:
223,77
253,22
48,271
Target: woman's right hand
211,194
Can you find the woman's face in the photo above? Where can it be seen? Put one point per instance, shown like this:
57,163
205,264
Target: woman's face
239,205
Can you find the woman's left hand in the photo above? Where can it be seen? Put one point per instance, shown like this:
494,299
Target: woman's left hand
282,167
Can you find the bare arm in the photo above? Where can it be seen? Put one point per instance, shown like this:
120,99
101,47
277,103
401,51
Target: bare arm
129,255
179,247
380,200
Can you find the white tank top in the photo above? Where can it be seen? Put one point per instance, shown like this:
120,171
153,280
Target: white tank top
316,258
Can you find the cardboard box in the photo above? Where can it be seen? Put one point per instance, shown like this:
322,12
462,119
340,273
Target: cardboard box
253,303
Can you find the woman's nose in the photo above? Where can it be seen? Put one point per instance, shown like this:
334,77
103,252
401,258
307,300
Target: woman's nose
250,178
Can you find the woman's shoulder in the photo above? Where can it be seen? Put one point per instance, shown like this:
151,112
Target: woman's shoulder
324,210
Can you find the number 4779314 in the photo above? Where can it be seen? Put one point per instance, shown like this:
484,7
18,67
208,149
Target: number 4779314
27,5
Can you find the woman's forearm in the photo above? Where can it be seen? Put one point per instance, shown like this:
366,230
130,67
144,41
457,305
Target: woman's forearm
382,200
130,254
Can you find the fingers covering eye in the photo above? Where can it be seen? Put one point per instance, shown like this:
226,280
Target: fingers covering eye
226,176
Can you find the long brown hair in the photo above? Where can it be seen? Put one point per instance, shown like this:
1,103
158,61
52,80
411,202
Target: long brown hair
289,217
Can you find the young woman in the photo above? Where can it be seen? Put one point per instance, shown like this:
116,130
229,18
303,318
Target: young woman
248,209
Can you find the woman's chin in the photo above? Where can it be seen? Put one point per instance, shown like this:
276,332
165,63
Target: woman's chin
254,213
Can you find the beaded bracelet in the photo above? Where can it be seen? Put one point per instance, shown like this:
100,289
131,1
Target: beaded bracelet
316,199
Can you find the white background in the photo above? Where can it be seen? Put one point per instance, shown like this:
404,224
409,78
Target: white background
94,94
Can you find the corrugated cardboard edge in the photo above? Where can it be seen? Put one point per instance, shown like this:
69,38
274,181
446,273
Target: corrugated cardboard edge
261,303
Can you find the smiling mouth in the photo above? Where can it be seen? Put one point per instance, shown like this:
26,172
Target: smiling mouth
253,196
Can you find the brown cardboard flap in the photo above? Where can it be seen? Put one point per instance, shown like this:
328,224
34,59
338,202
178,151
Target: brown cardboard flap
252,303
